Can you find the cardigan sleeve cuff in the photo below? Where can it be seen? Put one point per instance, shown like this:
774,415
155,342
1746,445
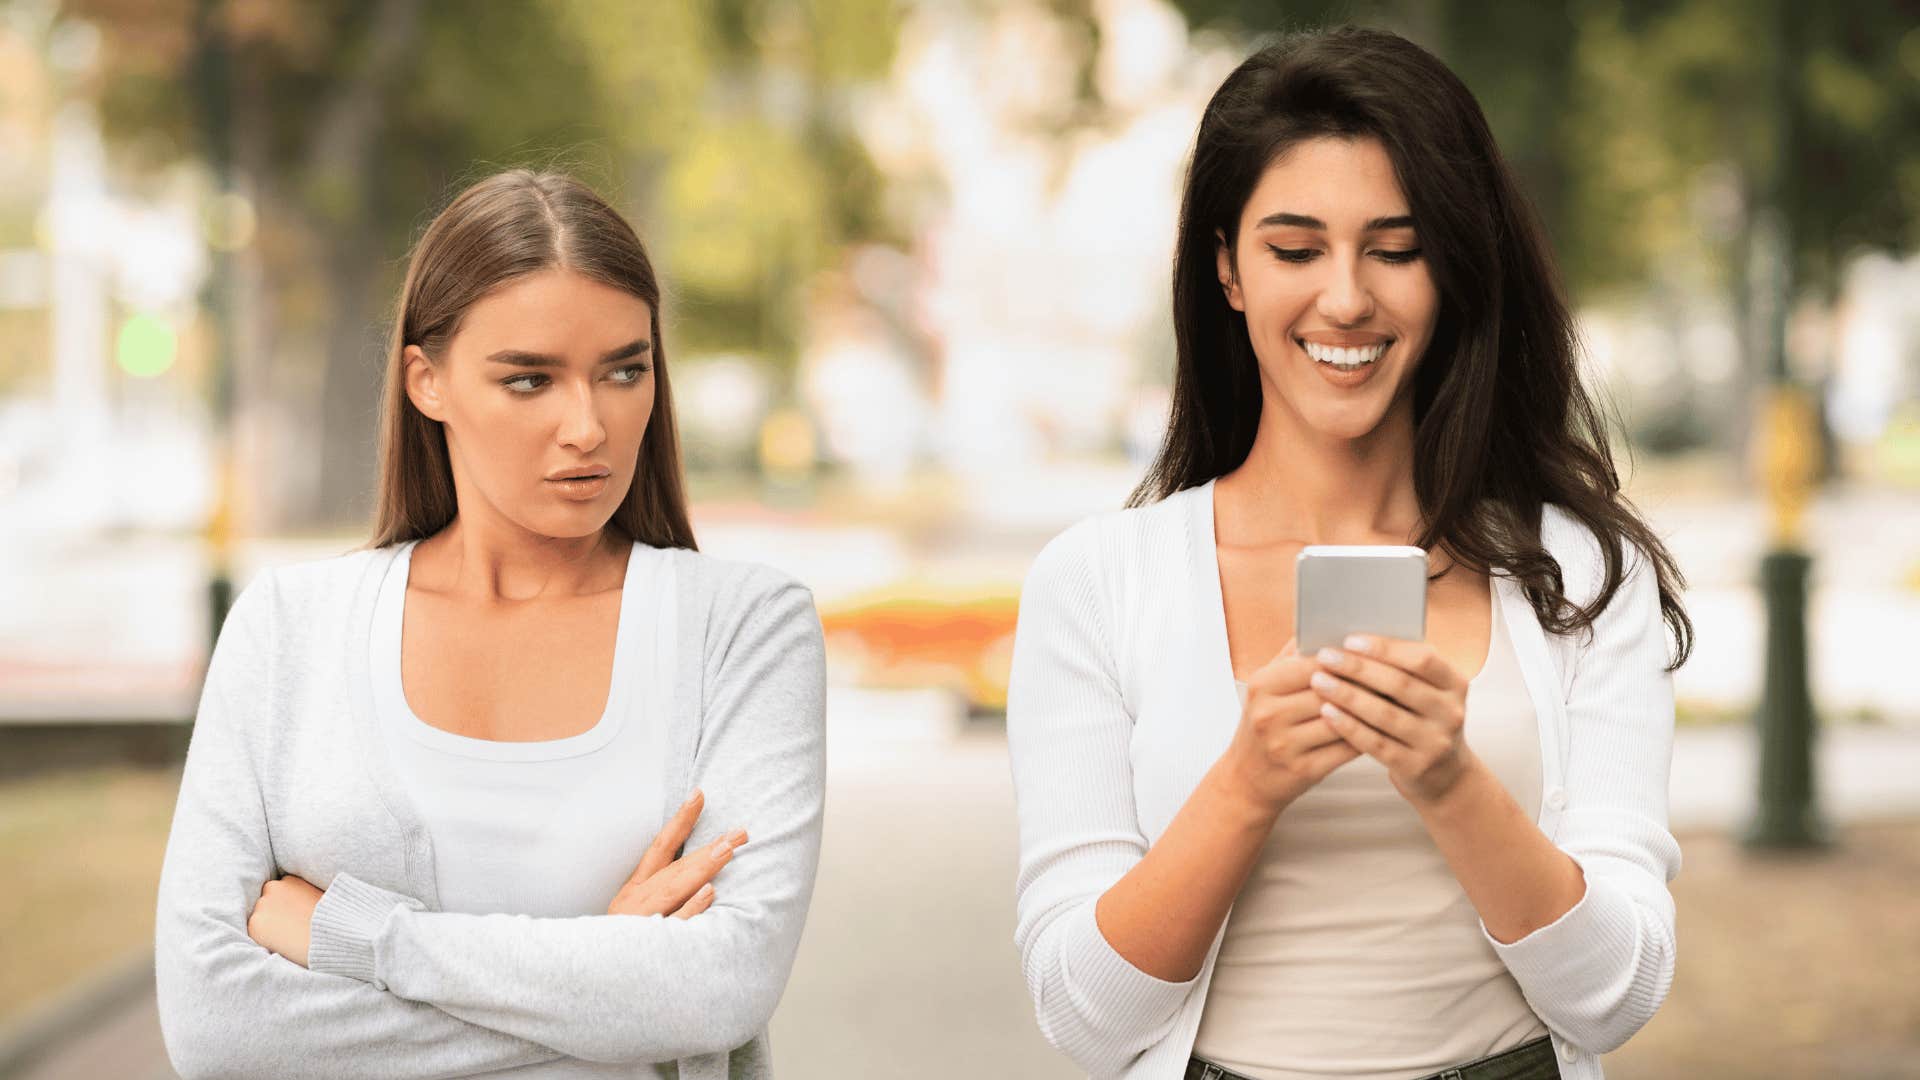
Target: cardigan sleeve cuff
1588,943
1115,995
351,913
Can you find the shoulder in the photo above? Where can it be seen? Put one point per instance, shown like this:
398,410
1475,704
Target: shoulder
309,581
1582,557
1126,543
729,592
1632,613
301,593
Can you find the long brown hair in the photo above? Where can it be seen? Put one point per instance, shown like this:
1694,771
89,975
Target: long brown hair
506,226
1502,424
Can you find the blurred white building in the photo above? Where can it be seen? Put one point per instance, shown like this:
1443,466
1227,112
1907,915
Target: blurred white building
1044,225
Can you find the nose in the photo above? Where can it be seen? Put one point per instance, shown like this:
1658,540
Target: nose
580,426
1345,301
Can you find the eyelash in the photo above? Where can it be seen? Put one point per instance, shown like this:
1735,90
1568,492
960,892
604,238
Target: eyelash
639,371
1302,255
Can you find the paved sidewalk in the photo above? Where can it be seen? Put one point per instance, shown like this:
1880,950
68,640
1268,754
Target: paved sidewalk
908,965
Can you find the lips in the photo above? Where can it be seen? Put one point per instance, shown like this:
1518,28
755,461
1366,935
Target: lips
588,472
583,488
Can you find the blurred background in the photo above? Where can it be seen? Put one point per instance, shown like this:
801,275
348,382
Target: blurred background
918,259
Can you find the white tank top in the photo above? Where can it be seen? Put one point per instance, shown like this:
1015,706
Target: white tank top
1352,950
547,828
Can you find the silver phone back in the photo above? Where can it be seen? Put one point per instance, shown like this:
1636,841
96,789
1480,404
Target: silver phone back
1342,589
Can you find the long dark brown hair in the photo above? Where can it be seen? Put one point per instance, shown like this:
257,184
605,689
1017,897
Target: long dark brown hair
502,228
1502,424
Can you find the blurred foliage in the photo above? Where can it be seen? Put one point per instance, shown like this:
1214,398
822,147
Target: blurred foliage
373,111
722,128
1650,134
1646,130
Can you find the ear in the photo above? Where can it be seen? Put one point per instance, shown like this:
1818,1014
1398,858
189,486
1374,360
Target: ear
1223,266
423,383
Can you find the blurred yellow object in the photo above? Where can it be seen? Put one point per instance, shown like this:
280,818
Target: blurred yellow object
1897,456
786,445
230,222
918,633
1788,459
219,530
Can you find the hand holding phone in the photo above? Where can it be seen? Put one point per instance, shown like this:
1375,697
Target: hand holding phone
1283,745
1397,700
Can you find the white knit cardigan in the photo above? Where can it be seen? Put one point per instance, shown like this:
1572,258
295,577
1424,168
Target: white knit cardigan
1122,697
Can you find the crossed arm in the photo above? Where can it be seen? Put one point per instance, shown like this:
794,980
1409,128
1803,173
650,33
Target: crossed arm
413,993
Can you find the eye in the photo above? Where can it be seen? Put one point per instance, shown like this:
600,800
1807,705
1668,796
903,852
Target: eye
1405,256
1293,255
630,374
524,384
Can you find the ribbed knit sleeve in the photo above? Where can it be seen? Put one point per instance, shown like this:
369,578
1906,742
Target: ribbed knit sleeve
345,922
1068,733
1597,974
228,1007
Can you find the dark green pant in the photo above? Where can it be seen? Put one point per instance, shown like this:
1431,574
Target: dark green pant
1528,1061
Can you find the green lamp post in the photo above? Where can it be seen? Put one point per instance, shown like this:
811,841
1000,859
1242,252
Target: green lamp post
1788,814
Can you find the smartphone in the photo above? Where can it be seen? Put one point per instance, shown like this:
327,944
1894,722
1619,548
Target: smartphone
1341,589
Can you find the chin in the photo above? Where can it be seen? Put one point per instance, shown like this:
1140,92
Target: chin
1332,414
587,521
1348,430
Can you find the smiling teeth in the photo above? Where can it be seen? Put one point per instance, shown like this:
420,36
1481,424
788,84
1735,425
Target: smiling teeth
1346,358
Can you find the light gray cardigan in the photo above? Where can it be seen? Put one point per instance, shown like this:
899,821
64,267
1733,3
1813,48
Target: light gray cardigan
285,775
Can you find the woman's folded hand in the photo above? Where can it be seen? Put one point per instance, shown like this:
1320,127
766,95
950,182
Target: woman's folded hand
683,887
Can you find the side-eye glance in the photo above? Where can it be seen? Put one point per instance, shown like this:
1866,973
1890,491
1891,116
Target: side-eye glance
529,382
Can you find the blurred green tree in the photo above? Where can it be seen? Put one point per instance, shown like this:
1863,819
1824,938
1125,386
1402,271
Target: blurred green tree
1613,109
723,128
1647,131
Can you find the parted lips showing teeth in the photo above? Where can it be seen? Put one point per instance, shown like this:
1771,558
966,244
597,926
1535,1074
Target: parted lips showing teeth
1347,356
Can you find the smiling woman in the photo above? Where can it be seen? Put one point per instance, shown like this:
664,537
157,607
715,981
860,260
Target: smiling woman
477,798
1400,858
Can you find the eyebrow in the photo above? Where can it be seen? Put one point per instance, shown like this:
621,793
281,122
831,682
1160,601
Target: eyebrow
519,358
1379,224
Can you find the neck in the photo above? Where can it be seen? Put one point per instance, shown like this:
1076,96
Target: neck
484,556
1302,486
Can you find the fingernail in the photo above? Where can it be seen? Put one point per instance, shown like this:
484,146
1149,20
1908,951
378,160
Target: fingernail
1360,643
1330,712
1323,681
691,799
720,847
705,891
1331,657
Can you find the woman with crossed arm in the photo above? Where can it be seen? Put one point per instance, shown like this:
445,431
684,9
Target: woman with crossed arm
1394,859
528,787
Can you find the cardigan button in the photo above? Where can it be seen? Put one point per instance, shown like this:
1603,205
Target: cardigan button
1557,799
1568,1054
